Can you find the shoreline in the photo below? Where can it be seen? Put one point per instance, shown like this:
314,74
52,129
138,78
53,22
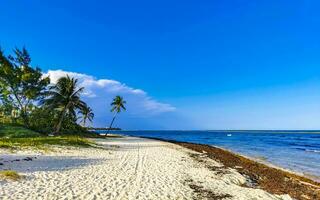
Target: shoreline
297,154
312,177
140,168
263,175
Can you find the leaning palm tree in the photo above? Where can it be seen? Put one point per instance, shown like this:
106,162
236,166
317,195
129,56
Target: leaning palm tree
64,96
117,105
86,114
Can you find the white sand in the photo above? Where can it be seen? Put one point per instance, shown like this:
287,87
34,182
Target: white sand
130,168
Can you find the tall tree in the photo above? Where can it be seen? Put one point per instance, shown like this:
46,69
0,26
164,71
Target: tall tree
117,105
87,115
65,97
20,84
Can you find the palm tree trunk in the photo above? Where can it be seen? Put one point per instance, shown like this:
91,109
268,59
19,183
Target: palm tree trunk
84,122
114,117
24,115
25,119
58,126
23,110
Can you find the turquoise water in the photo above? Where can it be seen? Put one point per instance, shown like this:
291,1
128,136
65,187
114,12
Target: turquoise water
295,150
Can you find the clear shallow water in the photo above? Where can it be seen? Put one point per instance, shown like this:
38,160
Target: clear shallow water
295,150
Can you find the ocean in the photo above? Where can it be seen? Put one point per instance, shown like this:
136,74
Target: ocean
298,151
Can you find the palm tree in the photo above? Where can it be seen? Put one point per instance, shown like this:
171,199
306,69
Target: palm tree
87,115
117,105
65,97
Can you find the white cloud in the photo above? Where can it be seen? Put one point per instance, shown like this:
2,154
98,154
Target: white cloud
99,93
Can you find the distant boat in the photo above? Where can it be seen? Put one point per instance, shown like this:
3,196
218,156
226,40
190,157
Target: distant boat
229,135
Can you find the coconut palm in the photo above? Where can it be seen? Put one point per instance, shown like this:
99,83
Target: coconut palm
64,96
86,114
117,105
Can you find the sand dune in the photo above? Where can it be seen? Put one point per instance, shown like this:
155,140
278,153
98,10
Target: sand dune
127,168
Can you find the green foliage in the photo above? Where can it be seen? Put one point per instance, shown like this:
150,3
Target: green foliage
43,142
86,114
118,104
21,85
65,97
43,120
7,113
27,99
14,131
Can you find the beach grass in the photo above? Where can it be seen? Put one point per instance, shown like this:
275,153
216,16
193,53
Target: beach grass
10,174
44,142
18,137
16,131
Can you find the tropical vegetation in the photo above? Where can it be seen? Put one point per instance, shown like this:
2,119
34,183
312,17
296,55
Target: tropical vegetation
87,115
31,106
42,143
27,97
21,85
117,105
64,97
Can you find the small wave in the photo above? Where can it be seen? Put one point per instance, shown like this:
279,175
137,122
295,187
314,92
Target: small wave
304,145
309,150
312,150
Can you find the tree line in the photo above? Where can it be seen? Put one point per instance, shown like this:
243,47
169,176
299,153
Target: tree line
28,98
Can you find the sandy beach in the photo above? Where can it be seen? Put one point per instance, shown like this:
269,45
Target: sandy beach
124,168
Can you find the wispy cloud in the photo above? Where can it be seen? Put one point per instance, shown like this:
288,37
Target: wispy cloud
99,93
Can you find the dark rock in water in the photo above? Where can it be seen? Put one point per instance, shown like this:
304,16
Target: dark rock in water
15,160
1,163
28,159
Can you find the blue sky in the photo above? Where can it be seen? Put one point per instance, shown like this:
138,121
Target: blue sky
202,64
